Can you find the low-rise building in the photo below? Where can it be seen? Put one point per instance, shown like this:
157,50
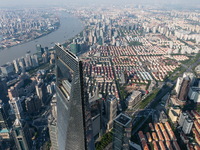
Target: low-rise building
184,138
174,113
133,98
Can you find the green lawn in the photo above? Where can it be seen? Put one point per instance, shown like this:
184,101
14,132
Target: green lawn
105,140
147,100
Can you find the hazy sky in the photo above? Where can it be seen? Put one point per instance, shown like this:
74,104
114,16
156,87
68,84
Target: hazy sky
7,3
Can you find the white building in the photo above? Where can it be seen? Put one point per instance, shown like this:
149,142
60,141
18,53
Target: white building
133,98
185,122
182,118
194,94
111,110
191,76
187,126
178,84
16,107
16,65
7,69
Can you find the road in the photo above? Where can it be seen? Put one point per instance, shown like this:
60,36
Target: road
147,114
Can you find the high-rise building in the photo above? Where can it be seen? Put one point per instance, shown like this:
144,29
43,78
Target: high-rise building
5,125
3,89
16,107
182,118
52,124
52,58
44,57
7,69
73,115
46,49
40,51
191,76
187,126
34,59
185,122
21,135
49,89
122,126
32,104
28,61
178,84
22,64
41,91
5,121
53,133
111,110
184,89
16,65
194,92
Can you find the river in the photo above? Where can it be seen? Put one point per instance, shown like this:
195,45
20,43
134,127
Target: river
69,27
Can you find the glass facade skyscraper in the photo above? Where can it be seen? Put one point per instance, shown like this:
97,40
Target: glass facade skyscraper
73,115
121,132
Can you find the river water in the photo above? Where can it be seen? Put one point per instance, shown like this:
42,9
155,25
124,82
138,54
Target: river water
70,26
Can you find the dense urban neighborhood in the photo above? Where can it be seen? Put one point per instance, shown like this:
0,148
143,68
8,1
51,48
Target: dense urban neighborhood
138,68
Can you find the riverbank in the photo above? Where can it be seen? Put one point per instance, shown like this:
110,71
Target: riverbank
70,26
35,38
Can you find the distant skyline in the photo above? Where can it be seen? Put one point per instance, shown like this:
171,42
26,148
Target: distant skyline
29,3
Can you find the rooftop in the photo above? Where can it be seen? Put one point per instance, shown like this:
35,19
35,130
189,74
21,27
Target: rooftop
123,119
4,131
110,98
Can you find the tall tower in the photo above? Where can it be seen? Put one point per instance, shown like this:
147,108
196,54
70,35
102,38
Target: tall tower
3,90
41,92
40,51
73,113
184,89
111,110
16,65
121,132
21,135
52,124
5,121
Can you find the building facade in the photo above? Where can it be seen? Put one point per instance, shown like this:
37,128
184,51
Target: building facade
111,110
184,89
122,126
133,99
73,115
187,126
21,135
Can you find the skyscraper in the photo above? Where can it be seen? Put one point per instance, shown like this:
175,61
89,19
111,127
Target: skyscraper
184,89
16,107
111,110
121,132
5,121
52,124
41,91
73,115
40,51
21,135
5,125
7,69
34,59
16,65
28,61
3,89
